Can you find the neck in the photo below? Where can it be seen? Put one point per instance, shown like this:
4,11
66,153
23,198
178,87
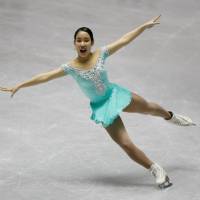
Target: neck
84,59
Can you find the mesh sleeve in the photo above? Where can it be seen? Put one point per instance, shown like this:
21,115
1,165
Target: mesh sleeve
105,52
65,68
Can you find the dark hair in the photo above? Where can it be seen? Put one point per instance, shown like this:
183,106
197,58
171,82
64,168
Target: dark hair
85,29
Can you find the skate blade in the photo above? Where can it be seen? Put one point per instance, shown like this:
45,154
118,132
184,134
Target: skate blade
189,121
166,184
194,124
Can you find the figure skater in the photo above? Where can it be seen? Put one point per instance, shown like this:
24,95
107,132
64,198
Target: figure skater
108,99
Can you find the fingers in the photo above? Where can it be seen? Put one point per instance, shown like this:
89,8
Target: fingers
5,89
9,90
1,88
156,18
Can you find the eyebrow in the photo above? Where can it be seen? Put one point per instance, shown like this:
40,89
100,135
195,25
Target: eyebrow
84,38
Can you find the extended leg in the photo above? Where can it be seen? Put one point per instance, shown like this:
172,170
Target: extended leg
140,105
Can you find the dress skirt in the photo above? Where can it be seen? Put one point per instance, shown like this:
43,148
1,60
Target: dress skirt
107,110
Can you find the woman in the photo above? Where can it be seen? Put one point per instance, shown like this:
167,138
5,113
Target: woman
108,99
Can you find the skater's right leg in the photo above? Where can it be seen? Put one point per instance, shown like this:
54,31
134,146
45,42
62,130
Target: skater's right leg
140,105
119,134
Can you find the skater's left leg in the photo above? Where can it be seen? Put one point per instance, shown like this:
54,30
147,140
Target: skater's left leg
140,105
119,134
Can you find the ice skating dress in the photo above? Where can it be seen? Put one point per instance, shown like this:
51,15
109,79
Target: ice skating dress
107,99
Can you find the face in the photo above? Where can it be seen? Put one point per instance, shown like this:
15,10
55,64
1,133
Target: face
83,44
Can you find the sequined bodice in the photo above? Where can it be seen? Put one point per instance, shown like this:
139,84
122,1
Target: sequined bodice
93,82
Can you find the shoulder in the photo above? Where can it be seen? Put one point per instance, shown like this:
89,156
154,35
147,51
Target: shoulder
65,67
105,51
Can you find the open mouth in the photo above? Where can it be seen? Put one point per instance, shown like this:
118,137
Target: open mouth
83,50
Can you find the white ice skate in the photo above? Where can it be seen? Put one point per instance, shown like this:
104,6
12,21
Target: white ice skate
161,176
180,120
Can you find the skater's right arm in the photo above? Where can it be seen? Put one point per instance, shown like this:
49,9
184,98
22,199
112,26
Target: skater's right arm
43,77
40,78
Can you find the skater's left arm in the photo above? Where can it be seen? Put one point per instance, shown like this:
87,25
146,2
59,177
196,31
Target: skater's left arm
130,36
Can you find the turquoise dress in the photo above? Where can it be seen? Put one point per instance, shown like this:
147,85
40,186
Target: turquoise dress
107,99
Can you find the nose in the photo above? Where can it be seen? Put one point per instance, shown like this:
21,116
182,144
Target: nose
82,43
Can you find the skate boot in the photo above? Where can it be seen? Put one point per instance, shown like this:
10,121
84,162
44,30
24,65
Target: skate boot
159,173
180,120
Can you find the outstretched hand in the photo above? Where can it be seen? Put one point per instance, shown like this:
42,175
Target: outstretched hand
12,90
152,22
